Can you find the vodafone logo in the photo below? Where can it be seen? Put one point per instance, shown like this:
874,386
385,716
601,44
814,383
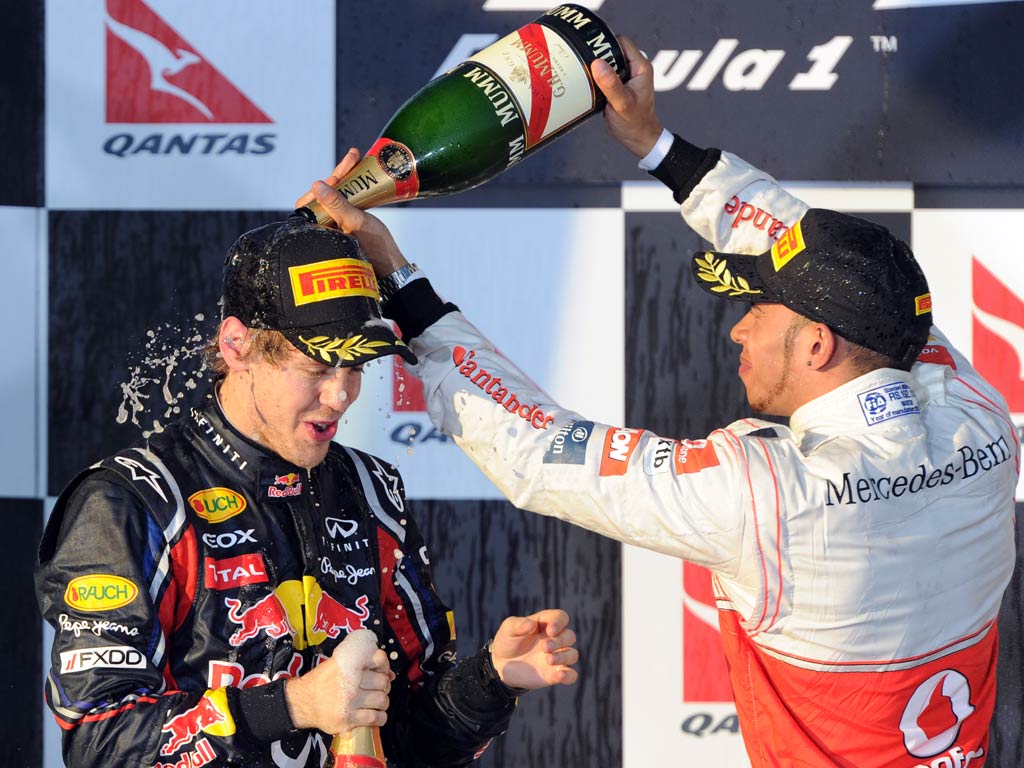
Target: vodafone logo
943,701
997,328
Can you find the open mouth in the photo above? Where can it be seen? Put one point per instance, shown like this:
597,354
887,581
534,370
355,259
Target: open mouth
322,430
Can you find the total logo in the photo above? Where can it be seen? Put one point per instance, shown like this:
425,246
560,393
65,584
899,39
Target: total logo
296,604
234,572
154,75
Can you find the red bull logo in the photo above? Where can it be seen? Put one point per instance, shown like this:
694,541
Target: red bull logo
208,715
266,616
332,616
202,755
290,483
288,480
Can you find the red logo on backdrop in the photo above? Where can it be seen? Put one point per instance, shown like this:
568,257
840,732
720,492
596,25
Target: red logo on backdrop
998,335
406,389
155,76
705,676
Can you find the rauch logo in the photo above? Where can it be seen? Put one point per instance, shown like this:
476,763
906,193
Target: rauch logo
99,592
217,504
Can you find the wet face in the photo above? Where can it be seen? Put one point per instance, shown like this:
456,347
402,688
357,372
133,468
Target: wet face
293,407
767,336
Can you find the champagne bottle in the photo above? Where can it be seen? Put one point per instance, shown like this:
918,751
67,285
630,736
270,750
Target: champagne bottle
486,114
359,748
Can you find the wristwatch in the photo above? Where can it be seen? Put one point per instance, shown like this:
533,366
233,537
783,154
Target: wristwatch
393,283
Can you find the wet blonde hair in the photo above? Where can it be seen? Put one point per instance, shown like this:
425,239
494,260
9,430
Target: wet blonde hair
260,344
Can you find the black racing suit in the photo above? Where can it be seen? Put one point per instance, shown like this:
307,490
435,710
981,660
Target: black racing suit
188,577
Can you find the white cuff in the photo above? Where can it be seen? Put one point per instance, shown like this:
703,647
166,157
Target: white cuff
661,147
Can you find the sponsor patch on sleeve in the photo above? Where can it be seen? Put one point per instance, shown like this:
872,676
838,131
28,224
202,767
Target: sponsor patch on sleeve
619,445
890,401
936,354
679,457
569,446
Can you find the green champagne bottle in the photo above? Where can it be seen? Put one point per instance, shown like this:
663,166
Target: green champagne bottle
486,114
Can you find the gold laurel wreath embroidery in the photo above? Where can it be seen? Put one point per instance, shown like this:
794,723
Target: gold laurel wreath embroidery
714,270
345,349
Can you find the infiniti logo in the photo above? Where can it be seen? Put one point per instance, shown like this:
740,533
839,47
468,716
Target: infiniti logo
336,526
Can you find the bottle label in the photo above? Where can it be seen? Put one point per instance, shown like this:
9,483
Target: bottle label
548,81
387,173
398,164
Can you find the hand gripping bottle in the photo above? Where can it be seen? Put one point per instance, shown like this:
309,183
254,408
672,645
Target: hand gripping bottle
468,125
360,747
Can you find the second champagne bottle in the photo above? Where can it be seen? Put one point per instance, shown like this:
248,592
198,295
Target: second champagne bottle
486,114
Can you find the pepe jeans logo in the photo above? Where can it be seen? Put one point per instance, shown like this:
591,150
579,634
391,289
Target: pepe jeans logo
332,279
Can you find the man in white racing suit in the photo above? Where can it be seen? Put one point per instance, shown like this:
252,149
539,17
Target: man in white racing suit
859,556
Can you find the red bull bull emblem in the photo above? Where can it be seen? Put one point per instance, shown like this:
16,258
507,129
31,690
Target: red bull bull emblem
290,483
184,728
332,616
268,615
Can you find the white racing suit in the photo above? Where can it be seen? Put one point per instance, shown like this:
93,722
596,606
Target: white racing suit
858,556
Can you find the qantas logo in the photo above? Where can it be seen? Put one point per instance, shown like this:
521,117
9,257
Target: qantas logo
998,335
155,76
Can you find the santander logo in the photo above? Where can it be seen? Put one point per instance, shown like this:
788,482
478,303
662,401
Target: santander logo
155,76
997,327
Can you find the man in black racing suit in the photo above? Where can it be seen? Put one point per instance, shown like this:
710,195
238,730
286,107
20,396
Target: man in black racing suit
199,582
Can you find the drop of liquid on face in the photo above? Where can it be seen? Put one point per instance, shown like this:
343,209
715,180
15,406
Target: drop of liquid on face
342,396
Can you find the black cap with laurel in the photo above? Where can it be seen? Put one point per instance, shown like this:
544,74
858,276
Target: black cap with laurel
850,274
315,286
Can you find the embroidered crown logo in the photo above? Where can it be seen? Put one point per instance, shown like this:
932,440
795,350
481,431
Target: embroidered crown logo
345,349
714,270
